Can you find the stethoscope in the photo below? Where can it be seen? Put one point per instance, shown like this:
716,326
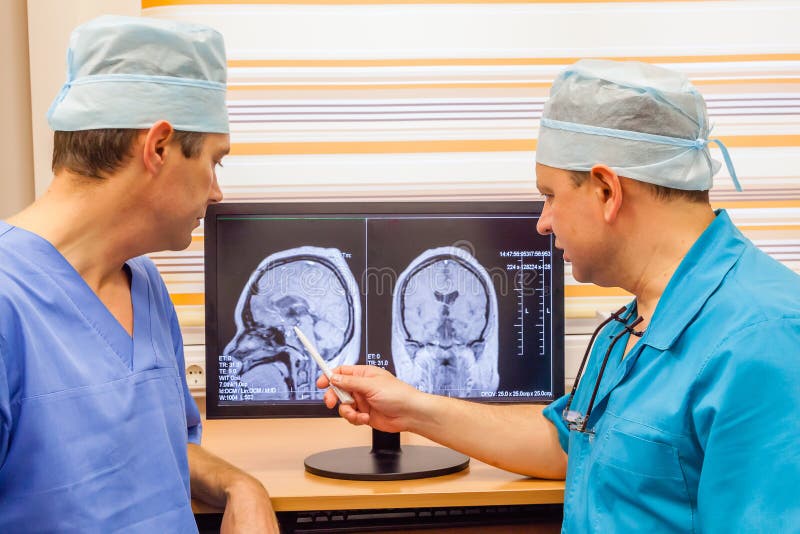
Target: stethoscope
573,418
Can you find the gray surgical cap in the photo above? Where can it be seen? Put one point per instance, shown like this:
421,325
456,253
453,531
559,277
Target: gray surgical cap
130,72
645,122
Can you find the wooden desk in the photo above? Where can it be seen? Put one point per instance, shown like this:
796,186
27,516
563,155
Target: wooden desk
273,451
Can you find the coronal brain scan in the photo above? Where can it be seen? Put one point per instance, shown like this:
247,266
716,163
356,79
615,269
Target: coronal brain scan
308,287
444,324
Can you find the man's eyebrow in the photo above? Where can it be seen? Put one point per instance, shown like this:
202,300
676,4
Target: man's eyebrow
223,152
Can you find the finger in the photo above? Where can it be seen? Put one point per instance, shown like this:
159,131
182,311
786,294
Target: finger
349,414
322,382
362,418
330,399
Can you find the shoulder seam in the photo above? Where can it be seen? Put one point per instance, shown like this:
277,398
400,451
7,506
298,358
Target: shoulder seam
7,230
740,332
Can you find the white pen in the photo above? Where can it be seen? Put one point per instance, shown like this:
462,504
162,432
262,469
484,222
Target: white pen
344,396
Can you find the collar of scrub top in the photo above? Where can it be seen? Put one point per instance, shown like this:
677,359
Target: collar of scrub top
688,144
573,418
699,275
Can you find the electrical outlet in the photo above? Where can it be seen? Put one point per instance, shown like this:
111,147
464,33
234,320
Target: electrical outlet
195,376
195,368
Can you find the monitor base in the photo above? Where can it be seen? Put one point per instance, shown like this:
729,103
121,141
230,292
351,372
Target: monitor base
360,463
386,460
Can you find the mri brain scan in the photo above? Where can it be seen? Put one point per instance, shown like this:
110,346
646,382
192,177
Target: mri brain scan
444,324
309,287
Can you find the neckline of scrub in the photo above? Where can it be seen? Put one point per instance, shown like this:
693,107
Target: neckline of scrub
52,263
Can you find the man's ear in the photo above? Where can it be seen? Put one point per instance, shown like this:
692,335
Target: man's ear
156,145
609,190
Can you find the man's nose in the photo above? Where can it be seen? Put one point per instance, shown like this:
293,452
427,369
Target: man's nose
543,225
216,192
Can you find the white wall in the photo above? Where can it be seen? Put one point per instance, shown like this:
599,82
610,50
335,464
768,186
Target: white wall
49,25
16,144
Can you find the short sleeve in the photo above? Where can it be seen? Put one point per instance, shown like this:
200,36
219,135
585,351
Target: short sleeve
193,421
553,414
745,412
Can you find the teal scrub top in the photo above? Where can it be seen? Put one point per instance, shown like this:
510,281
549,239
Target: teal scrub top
697,429
94,423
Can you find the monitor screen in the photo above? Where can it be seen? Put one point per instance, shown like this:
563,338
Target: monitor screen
463,299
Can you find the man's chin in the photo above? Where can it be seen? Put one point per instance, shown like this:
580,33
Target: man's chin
598,278
578,275
181,243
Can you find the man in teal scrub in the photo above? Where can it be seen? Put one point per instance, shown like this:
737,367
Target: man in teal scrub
694,425
98,431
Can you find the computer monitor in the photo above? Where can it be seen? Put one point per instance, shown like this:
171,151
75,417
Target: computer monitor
463,299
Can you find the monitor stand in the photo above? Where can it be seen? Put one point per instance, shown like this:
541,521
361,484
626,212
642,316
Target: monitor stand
386,460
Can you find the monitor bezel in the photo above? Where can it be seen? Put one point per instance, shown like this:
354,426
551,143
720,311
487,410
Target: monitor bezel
288,409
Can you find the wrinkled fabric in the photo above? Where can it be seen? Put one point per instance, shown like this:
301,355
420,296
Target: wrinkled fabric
695,430
130,72
645,122
94,424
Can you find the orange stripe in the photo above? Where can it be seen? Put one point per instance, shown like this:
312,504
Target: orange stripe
752,204
188,299
147,4
760,141
594,291
421,62
745,80
383,147
477,145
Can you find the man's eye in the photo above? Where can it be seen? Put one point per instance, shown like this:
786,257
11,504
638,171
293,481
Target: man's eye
218,163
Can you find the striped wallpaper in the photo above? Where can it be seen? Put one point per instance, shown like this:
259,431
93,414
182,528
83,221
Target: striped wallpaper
401,99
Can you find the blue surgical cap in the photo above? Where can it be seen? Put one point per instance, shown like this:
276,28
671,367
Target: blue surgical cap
130,72
645,122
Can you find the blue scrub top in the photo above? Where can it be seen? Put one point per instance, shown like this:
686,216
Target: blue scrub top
697,429
94,424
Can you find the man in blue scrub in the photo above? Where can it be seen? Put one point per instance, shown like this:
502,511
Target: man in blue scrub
98,431
695,426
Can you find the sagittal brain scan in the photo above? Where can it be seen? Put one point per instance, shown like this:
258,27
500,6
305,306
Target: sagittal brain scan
444,324
309,287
